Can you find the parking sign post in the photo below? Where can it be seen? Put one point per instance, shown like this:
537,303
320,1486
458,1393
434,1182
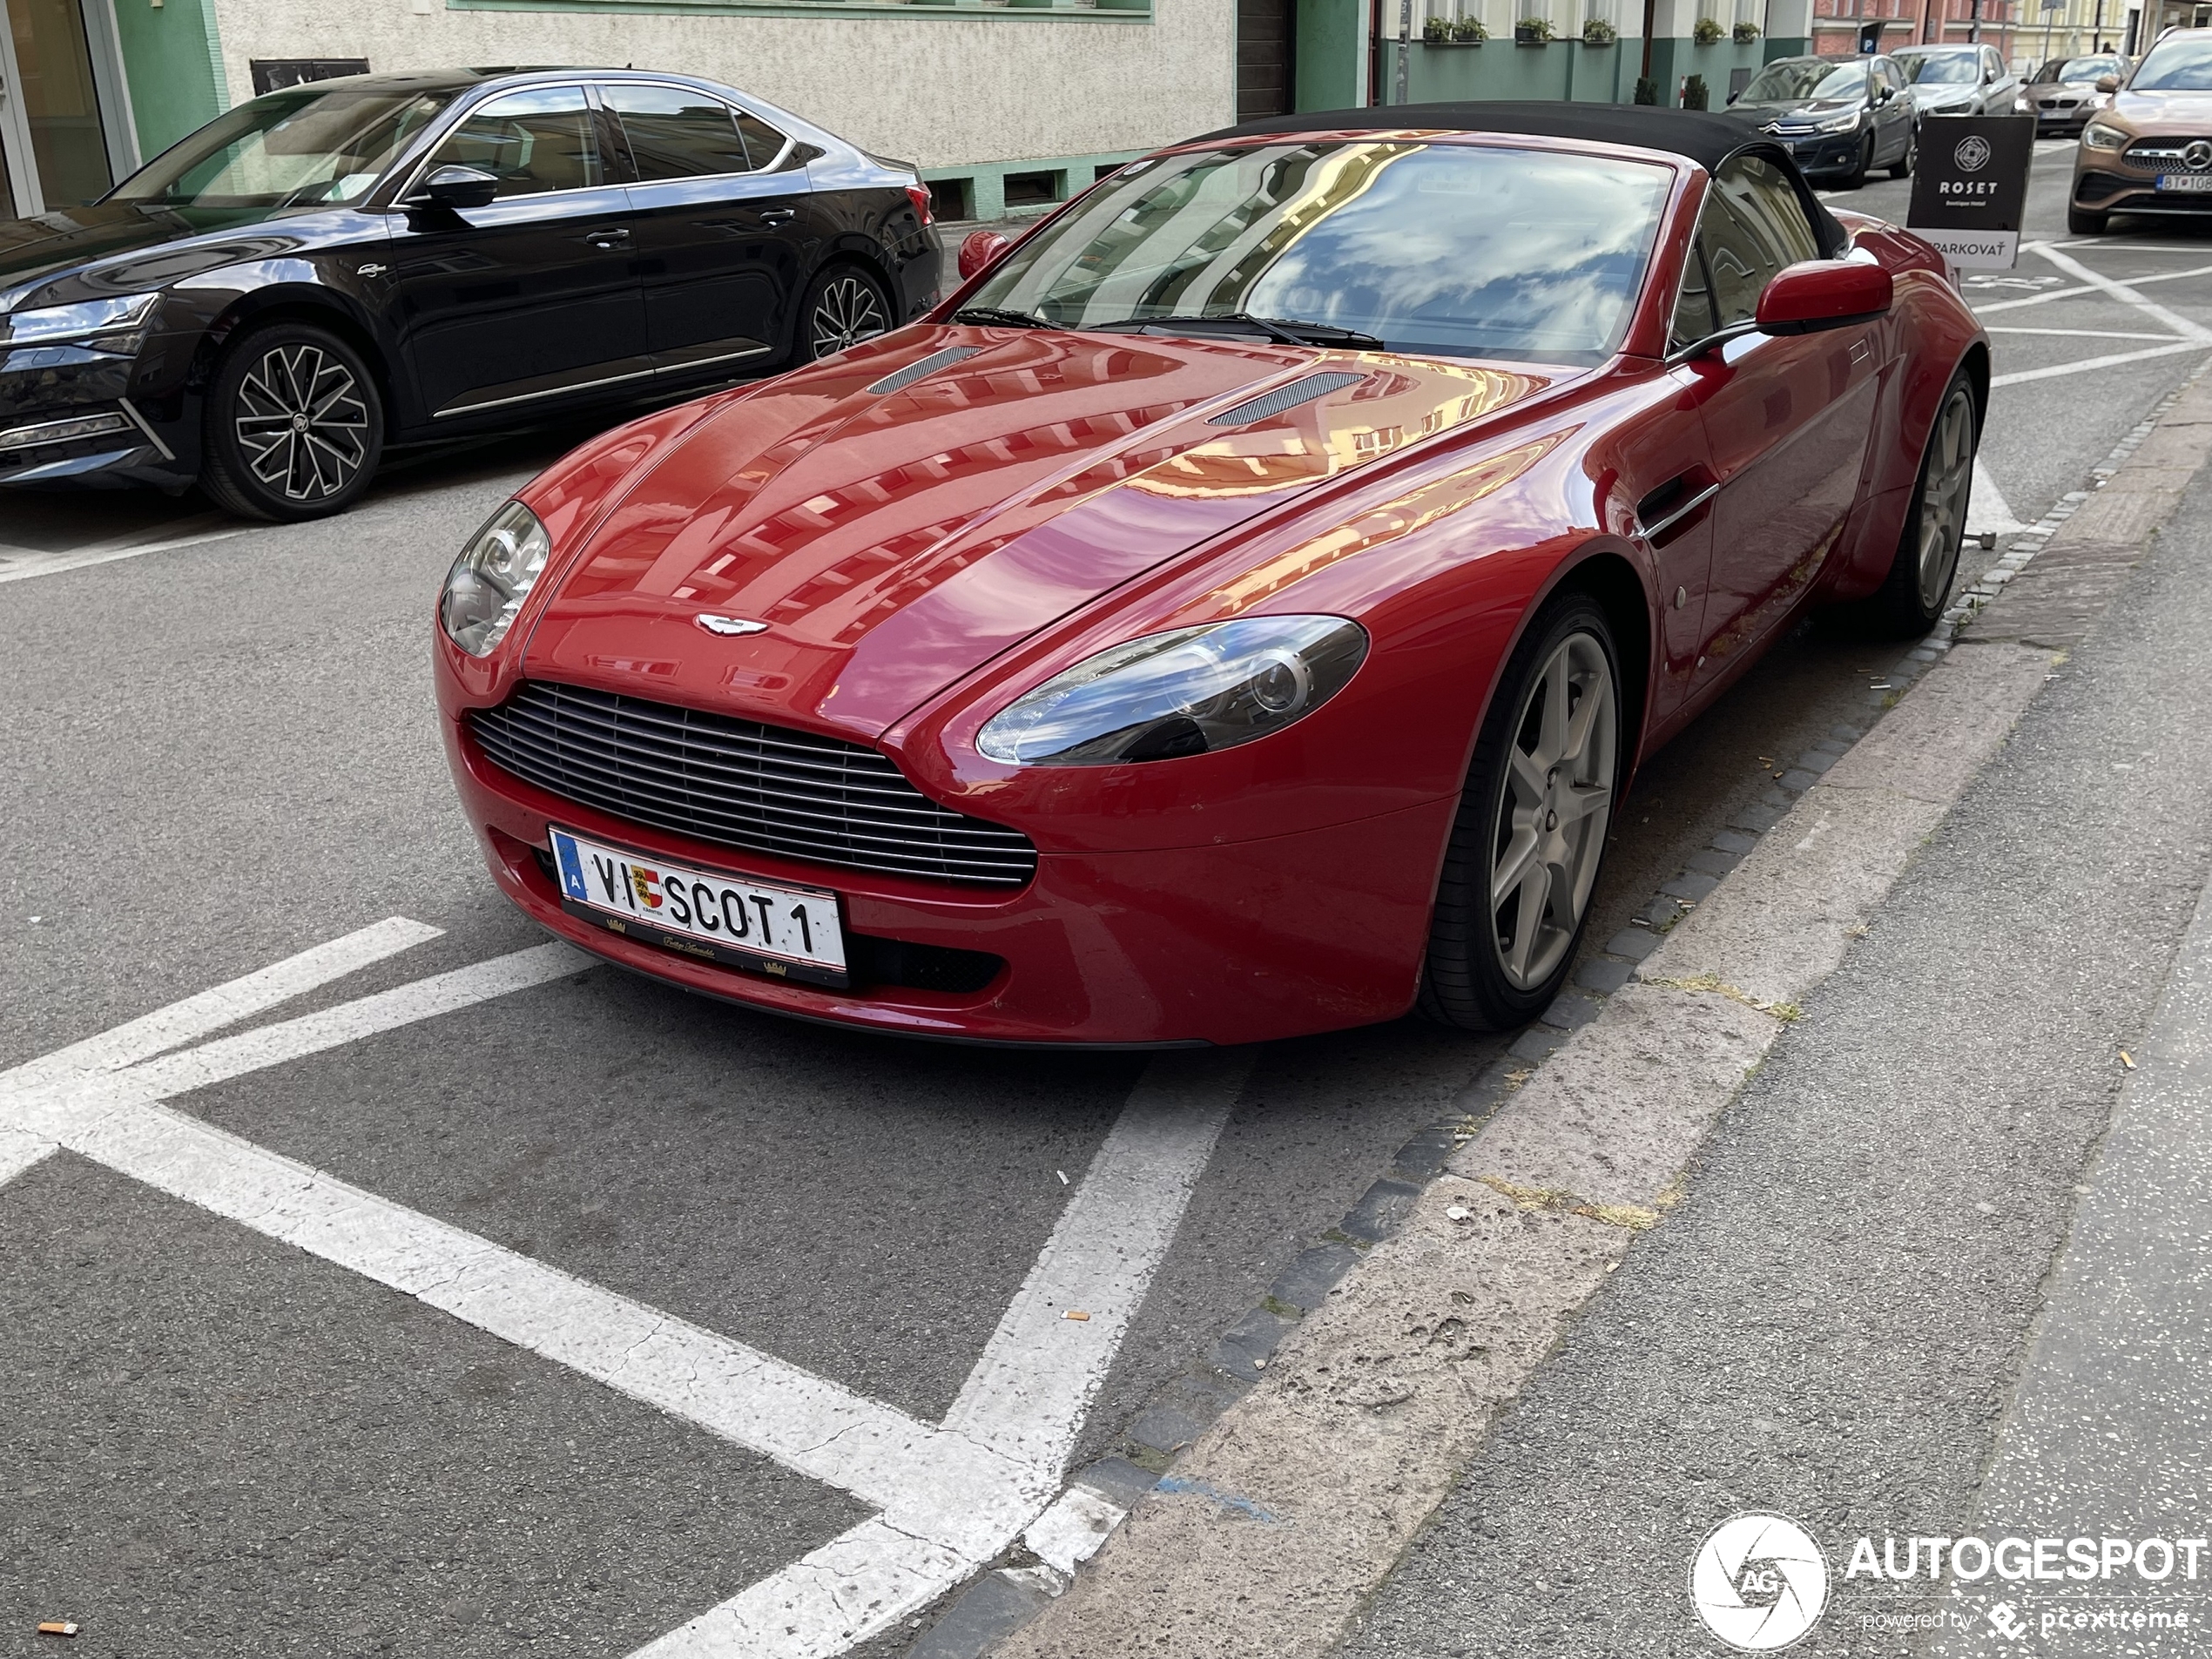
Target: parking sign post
1969,189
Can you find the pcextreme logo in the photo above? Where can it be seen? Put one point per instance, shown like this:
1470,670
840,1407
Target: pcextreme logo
1758,1581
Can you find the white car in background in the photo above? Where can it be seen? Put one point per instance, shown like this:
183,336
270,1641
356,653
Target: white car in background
1957,80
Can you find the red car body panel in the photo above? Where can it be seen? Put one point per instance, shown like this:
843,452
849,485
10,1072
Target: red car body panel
924,556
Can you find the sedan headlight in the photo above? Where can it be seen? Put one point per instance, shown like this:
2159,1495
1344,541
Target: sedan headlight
105,324
2100,135
1187,693
1847,121
491,578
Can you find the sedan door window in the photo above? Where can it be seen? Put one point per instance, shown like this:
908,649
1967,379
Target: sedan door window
533,143
677,133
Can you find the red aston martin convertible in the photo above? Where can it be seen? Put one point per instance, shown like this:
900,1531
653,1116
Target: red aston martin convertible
1238,610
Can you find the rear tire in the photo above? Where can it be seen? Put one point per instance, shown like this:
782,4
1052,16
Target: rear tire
1529,837
293,426
1912,597
2080,222
1902,167
844,305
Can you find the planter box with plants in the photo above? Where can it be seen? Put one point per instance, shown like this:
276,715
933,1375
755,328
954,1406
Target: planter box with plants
1448,32
1705,32
1745,33
1533,32
1598,32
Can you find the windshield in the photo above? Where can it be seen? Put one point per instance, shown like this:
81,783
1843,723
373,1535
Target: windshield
291,148
1444,249
1795,77
2077,69
2182,64
1940,69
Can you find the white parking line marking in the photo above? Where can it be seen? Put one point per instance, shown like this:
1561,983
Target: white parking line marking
1987,511
2183,327
2059,371
1029,1392
951,1497
2071,333
20,564
211,1011
2049,294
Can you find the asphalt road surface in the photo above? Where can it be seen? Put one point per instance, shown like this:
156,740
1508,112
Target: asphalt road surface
219,752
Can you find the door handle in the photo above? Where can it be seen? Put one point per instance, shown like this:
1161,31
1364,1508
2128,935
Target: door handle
605,240
777,215
1673,504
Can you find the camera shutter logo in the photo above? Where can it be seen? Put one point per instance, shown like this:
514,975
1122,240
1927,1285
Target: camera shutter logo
1759,1582
1973,153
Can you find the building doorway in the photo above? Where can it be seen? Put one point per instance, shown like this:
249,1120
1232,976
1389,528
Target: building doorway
64,123
1264,32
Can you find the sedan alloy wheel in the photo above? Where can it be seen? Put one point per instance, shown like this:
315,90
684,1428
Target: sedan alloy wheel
847,309
301,423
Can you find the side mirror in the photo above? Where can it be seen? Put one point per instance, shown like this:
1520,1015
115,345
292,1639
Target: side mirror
980,252
2108,82
455,188
1824,293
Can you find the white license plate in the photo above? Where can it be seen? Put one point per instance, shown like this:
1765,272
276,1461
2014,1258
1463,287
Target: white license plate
2196,181
791,933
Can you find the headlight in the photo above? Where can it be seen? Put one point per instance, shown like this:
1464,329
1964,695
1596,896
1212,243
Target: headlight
1847,121
2098,135
1183,693
118,322
491,578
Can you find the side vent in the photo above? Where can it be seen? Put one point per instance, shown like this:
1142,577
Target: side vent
1273,403
902,379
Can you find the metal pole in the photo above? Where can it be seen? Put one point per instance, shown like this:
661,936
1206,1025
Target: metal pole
1974,23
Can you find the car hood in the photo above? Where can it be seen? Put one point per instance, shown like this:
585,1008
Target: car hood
1940,95
83,251
895,538
2155,108
1795,109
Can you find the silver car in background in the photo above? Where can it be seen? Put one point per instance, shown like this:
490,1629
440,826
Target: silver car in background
1957,80
2063,94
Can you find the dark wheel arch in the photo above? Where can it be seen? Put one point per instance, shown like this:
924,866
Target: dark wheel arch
256,310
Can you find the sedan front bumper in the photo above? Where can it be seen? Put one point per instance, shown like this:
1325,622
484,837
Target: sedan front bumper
69,415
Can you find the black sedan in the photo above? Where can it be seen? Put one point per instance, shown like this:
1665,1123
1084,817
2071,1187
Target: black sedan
347,267
1840,117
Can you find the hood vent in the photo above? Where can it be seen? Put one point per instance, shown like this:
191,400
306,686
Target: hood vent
902,379
1273,403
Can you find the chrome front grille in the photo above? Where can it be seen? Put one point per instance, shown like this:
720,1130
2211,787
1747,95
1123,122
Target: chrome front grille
738,783
2163,154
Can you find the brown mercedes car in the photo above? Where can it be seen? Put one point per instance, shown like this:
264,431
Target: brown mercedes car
2151,152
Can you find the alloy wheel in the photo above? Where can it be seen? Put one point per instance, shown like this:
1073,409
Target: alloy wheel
1943,497
301,422
848,311
1557,801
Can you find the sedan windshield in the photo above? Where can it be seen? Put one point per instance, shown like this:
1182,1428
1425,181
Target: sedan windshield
2182,64
1456,250
289,149
1795,77
2076,69
1940,69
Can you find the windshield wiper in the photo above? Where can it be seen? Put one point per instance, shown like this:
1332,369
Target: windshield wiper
1289,330
999,317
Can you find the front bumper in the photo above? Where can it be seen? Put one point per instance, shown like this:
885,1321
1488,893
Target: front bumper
1827,153
69,415
1235,943
2113,185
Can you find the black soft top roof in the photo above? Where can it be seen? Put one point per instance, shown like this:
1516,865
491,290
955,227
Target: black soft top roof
1705,139
1696,135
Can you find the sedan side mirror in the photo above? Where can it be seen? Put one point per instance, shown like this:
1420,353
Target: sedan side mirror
2108,82
980,252
1824,293
455,188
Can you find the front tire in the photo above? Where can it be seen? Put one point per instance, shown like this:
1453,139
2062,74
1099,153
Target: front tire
1529,837
844,305
1912,597
1857,176
293,425
2082,222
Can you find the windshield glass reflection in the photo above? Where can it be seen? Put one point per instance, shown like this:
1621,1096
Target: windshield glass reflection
1449,249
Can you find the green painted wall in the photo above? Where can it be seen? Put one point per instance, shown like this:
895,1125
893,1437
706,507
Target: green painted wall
1326,60
1563,72
173,60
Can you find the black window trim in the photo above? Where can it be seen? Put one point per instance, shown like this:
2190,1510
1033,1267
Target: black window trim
1829,238
774,164
422,163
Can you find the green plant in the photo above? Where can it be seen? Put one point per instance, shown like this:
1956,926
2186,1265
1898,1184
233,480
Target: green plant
1435,29
1695,94
1535,29
1470,29
1704,33
1745,33
1598,32
1647,90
